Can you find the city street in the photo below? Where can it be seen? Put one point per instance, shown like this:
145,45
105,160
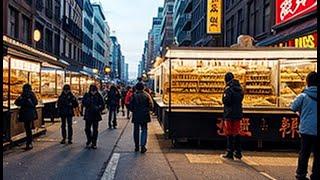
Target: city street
115,158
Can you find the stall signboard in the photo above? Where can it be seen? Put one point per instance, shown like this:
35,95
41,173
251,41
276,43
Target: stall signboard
289,9
305,41
214,13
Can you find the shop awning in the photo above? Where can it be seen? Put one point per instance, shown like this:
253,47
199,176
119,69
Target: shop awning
290,33
74,68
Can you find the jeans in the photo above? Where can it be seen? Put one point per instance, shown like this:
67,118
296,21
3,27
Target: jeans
128,112
309,144
144,133
112,117
233,144
92,137
27,127
64,121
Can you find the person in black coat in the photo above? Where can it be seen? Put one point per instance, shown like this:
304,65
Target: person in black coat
232,101
27,113
94,105
140,105
113,103
66,103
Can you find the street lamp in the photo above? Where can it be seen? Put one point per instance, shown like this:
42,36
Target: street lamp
95,71
107,69
36,35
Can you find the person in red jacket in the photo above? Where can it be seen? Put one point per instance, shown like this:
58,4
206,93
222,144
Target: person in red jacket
128,99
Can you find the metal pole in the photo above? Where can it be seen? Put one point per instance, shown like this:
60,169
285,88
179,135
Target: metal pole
169,85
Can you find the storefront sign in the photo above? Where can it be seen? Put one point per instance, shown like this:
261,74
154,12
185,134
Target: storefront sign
214,10
289,9
24,65
306,41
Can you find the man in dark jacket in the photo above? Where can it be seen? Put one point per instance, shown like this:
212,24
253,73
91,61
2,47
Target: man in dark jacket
232,101
94,105
140,105
66,103
305,104
27,113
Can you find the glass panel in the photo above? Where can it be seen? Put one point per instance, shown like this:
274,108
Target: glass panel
48,83
23,72
60,81
75,84
5,84
293,78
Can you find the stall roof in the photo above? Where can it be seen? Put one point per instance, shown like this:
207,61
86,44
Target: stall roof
240,53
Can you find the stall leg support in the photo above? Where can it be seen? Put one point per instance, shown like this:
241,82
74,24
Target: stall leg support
259,144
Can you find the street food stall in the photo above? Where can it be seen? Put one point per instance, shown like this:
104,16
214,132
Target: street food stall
21,64
189,85
52,81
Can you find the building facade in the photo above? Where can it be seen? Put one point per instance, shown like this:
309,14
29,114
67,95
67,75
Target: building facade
114,51
126,72
99,31
167,35
250,17
293,28
87,37
108,44
156,32
182,22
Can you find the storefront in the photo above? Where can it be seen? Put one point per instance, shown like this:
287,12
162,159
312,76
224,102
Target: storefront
23,64
295,26
190,83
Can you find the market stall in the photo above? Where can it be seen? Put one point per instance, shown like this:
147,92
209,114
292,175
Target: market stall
189,86
52,81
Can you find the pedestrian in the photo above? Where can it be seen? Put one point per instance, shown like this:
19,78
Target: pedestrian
27,112
94,105
123,96
128,99
232,101
66,104
113,103
305,105
140,105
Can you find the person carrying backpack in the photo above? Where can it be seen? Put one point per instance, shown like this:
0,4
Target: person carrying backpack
127,100
66,103
305,105
113,103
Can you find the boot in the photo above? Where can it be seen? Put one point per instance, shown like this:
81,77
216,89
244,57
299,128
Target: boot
238,155
228,155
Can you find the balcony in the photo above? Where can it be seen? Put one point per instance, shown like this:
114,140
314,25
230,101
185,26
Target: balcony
188,6
184,38
49,13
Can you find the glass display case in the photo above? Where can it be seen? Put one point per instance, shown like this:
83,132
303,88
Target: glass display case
60,80
75,84
5,85
268,80
48,83
22,72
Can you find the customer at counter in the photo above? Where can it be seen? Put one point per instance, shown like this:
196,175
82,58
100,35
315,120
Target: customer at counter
305,104
27,113
232,101
66,104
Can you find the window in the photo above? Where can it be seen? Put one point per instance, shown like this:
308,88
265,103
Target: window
232,36
29,2
240,22
49,12
57,44
266,18
26,30
251,19
13,23
70,50
48,40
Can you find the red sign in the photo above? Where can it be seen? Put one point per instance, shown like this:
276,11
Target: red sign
290,9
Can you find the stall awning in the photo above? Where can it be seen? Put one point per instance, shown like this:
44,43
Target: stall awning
74,68
290,33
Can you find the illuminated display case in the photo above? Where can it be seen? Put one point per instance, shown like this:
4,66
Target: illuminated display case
52,81
60,80
5,85
268,80
22,72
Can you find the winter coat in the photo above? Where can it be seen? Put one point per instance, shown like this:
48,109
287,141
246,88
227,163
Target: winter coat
232,100
128,97
94,105
140,105
66,104
113,100
27,103
306,104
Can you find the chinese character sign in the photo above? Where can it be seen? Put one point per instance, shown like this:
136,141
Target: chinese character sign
214,10
289,127
289,9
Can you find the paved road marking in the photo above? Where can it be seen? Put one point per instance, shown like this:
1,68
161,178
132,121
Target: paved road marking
267,176
204,158
111,168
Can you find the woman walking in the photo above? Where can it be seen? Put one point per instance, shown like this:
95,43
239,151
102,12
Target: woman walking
128,99
27,113
113,103
94,105
66,103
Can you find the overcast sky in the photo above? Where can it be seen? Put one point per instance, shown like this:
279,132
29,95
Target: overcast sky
130,20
